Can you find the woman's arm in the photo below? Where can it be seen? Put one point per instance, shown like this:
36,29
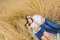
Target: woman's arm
36,26
29,27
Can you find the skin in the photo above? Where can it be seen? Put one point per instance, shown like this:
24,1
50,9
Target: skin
43,38
30,21
47,35
29,17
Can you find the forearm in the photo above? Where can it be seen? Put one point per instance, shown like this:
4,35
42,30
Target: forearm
30,28
37,27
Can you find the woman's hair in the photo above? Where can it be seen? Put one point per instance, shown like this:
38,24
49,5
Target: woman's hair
28,22
27,17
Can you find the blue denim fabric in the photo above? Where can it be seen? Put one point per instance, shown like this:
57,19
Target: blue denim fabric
48,26
39,34
52,24
48,29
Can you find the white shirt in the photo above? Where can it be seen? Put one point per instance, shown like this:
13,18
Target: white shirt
38,19
33,26
34,32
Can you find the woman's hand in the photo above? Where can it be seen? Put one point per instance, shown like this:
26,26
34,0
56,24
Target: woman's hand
29,27
36,26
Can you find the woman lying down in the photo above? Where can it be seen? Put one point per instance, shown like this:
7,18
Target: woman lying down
41,27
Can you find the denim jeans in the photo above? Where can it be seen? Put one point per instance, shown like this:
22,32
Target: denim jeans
39,34
50,26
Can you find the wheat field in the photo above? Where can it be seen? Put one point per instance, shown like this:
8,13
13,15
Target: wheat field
13,12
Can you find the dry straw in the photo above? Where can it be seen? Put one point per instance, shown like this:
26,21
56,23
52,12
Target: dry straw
13,12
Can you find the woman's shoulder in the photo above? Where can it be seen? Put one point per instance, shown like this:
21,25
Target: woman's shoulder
33,24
